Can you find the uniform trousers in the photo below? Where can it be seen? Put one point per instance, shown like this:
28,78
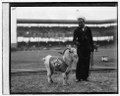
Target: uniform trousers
82,68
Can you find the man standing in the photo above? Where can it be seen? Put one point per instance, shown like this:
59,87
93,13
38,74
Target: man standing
82,38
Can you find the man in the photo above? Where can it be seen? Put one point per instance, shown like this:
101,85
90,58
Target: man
82,38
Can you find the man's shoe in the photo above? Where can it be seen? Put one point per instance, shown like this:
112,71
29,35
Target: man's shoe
77,80
85,80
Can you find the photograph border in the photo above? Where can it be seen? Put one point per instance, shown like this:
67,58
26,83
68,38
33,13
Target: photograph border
57,4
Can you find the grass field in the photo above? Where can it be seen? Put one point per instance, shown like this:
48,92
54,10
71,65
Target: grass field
36,82
100,82
33,59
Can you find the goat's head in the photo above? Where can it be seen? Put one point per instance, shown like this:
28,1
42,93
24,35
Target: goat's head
70,51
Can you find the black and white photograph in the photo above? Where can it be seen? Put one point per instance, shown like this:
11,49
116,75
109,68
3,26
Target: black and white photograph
60,47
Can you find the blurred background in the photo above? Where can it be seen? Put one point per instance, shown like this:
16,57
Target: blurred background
47,27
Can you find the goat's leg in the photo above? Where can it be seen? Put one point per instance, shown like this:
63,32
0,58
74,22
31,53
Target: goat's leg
49,74
50,78
65,77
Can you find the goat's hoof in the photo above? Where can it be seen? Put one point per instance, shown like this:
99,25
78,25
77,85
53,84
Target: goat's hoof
65,84
50,81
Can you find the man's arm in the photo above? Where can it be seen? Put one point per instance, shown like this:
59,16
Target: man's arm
75,38
91,41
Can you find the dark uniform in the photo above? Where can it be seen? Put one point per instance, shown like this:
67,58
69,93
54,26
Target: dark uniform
83,39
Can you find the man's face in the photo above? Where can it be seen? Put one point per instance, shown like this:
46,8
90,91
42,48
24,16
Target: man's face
81,23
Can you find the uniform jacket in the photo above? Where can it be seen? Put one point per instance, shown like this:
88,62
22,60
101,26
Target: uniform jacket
82,37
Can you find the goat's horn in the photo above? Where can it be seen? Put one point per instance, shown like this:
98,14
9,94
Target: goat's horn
60,52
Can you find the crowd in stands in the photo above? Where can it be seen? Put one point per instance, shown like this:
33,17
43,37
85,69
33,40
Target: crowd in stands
60,31
56,32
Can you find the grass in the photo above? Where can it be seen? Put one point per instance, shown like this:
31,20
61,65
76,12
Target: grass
100,82
36,82
33,59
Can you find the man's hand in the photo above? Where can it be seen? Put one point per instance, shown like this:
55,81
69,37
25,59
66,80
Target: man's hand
77,43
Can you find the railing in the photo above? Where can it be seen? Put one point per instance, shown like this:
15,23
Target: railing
63,39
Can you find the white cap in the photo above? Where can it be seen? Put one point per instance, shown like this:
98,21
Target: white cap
81,17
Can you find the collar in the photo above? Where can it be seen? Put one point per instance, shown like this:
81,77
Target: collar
83,29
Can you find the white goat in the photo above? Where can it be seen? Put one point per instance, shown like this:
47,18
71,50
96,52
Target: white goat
61,63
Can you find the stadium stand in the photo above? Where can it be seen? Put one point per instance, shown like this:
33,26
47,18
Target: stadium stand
41,36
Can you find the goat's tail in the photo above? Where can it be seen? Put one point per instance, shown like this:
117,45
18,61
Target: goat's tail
46,58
